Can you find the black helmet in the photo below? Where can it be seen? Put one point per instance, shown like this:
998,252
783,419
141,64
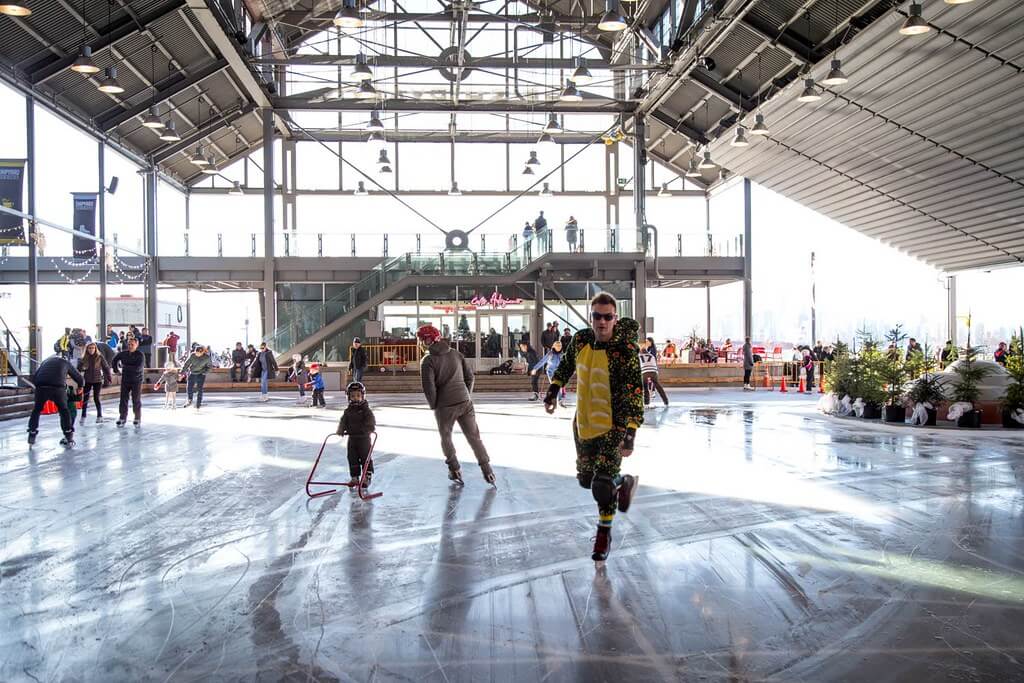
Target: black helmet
355,386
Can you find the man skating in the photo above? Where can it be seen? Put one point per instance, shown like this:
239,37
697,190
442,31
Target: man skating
609,409
50,380
131,365
447,383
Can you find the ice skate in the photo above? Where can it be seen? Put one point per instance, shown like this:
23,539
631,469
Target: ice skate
561,402
99,419
626,491
456,476
32,437
187,404
120,422
535,397
136,422
69,440
353,482
602,544
488,473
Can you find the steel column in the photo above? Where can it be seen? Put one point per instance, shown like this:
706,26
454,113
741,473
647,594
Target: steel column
269,286
102,208
951,307
150,249
640,296
639,177
34,342
538,314
748,289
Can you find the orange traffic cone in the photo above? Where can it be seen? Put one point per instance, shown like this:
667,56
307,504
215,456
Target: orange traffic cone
802,389
768,382
782,385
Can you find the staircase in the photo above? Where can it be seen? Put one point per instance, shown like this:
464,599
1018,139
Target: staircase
15,362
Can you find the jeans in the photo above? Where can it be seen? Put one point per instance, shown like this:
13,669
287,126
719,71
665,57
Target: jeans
195,385
93,387
59,395
264,378
650,379
318,398
133,389
464,414
357,374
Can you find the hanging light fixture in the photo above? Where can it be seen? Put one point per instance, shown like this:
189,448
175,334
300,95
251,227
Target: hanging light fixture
545,191
552,126
211,166
454,191
375,122
663,192
197,157
741,138
109,82
612,19
528,170
545,139
169,133
582,75
760,128
15,9
810,93
376,136
692,171
706,163
366,91
361,72
533,160
84,64
915,24
383,160
348,17
385,169
360,190
570,93
236,189
152,119
835,72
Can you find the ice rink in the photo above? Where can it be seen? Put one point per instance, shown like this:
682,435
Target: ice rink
766,542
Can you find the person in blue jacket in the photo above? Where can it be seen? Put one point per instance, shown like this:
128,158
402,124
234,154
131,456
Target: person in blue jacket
316,383
550,363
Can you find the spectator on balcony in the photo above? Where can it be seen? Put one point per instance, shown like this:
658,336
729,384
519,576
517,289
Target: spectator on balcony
540,229
527,240
571,230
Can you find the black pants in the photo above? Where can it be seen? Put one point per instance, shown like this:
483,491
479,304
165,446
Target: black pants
318,400
94,387
746,375
535,382
236,371
59,395
195,385
133,389
149,358
358,449
649,379
810,378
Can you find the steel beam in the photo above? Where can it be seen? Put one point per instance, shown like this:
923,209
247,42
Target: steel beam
592,105
423,62
443,136
269,286
748,287
201,132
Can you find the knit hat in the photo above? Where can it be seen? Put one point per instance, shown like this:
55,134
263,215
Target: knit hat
428,334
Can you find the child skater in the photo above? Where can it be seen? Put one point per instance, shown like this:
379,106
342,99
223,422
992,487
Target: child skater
358,423
550,363
298,375
169,379
316,383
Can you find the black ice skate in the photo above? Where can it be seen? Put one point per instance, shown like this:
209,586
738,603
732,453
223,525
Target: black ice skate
489,474
456,476
120,422
32,438
602,544
626,491
69,440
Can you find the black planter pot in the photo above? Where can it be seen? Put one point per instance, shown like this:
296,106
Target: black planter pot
932,416
1009,422
970,420
871,412
895,414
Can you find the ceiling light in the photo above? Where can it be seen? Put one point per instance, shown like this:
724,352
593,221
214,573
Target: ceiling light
211,167
545,191
810,93
84,64
360,190
552,126
455,191
385,169
348,17
375,122
706,162
692,171
169,134
109,82
197,157
759,126
383,160
663,192
741,138
366,91
611,20
835,74
533,160
570,93
236,189
528,170
152,119
545,139
361,72
915,24
582,75
376,136
723,174
15,9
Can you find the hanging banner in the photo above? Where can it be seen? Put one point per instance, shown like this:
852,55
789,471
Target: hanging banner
84,222
12,173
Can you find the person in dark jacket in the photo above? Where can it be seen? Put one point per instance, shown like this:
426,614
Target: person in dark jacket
532,358
264,367
358,423
197,365
96,371
447,383
250,358
1000,354
548,336
948,354
357,360
50,380
131,365
566,338
146,346
238,358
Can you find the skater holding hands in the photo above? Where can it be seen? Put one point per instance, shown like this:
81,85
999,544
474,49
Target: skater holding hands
358,423
609,409
169,381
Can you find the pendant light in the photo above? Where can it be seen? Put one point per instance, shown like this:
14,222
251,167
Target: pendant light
347,16
375,122
582,75
692,171
915,24
360,190
376,136
454,191
83,63
612,19
152,118
741,133
385,169
545,139
197,157
663,192
361,72
108,83
706,163
835,73
15,9
211,167
366,91
552,126
528,170
570,93
169,134
236,189
533,160
383,160
545,191
760,128
810,93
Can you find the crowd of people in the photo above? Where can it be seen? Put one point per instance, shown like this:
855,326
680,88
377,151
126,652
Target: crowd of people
537,232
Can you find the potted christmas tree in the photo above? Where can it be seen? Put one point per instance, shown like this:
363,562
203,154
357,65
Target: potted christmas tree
893,371
1013,399
926,389
838,375
967,385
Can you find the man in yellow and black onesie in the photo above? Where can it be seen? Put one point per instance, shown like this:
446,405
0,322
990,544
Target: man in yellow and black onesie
609,409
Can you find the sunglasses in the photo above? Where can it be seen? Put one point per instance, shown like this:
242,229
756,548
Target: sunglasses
602,316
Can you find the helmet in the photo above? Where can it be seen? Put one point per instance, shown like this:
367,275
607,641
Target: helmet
355,386
428,334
